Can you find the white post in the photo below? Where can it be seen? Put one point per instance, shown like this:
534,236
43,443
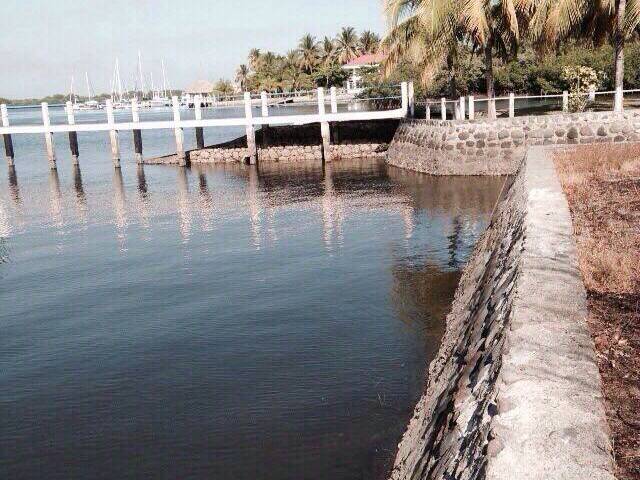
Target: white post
512,105
182,158
491,108
8,142
404,91
252,151
324,127
113,135
618,100
443,108
334,100
472,108
412,100
73,136
48,136
428,112
463,104
265,104
592,94
565,101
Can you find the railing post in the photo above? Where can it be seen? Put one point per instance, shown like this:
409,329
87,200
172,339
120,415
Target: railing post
199,130
463,104
334,100
182,158
618,100
324,127
8,142
428,111
113,135
265,104
137,133
404,92
565,101
412,100
48,136
472,108
252,151
512,105
443,108
73,136
592,94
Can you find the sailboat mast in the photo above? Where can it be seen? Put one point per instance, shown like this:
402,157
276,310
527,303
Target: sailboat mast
141,75
71,97
118,80
89,94
164,81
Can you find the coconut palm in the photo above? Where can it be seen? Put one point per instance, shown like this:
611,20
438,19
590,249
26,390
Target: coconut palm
308,51
599,20
242,75
254,58
347,45
223,87
327,53
369,42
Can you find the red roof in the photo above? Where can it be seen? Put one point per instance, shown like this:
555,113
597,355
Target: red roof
368,59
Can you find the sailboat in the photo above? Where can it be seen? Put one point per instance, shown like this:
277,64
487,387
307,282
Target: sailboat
159,98
90,103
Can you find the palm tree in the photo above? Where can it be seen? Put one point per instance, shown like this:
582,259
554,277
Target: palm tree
369,42
347,45
242,75
596,20
223,87
254,59
308,50
327,51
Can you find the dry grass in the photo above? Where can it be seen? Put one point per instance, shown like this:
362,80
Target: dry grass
602,184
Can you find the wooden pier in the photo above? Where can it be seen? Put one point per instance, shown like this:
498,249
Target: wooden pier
249,121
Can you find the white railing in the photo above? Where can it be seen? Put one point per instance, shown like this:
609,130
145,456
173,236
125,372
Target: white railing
178,124
467,107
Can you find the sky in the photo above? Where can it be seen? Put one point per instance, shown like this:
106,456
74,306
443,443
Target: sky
43,43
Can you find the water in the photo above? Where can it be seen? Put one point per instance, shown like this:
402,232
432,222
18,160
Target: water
222,321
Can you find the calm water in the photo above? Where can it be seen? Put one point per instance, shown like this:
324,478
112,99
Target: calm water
220,322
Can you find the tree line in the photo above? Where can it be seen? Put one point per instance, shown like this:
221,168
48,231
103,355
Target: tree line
478,45
313,63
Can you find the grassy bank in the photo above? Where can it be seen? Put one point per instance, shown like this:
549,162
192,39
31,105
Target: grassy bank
602,185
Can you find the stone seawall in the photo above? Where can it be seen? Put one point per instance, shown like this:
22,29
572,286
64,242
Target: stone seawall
514,392
355,139
483,147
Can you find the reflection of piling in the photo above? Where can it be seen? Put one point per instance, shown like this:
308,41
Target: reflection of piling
55,197
8,142
254,206
119,206
14,190
184,205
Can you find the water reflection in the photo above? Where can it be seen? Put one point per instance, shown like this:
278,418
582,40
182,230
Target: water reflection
254,206
55,199
184,205
14,189
80,196
120,209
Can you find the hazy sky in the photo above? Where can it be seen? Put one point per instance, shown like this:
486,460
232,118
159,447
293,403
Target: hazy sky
44,42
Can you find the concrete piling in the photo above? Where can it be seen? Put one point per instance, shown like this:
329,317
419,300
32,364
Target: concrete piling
252,150
48,136
324,127
182,157
199,130
137,133
113,135
73,136
8,141
472,108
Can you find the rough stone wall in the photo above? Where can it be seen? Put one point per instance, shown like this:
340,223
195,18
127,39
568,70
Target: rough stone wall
514,392
483,147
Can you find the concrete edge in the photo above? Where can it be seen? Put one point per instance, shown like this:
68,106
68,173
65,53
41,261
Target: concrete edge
551,421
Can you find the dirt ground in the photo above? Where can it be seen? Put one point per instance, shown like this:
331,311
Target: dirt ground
602,184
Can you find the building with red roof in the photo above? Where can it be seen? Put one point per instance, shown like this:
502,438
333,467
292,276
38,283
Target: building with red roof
366,61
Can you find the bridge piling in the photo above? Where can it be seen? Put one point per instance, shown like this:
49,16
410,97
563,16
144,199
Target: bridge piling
199,130
113,135
137,133
73,136
182,158
48,136
252,150
334,100
8,141
325,131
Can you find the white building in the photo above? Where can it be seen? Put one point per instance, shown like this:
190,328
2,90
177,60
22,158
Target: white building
355,67
203,88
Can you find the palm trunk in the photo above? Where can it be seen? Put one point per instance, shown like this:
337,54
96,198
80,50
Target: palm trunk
488,73
619,38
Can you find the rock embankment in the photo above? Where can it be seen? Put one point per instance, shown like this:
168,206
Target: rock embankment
483,147
515,391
